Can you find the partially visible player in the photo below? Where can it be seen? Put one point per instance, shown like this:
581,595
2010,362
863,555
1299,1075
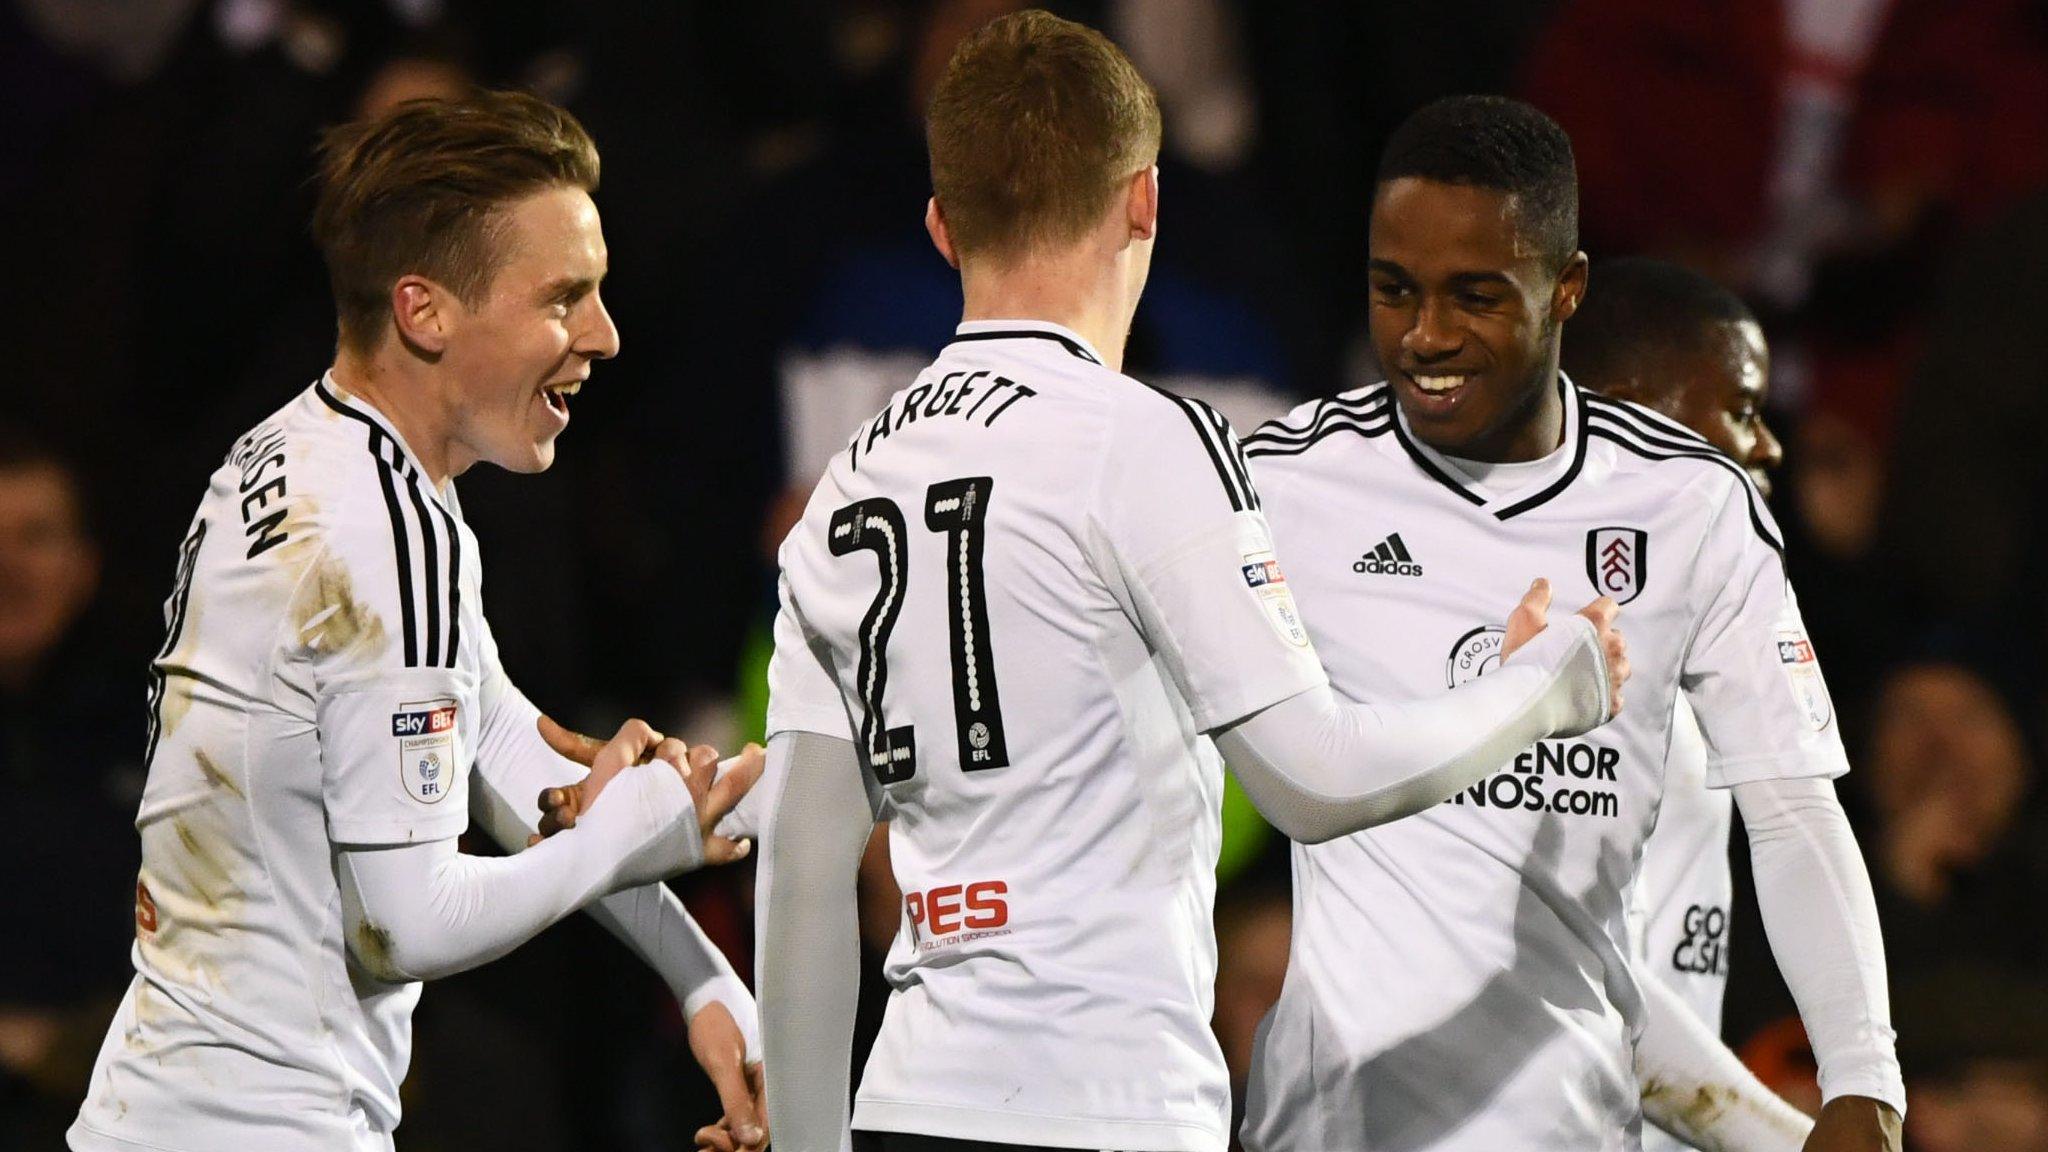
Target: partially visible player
1462,980
1023,597
1677,343
329,680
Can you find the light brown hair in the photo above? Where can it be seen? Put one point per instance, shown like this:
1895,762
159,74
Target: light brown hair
1036,124
421,190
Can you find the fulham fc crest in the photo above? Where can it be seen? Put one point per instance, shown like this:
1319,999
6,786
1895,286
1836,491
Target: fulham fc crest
1618,562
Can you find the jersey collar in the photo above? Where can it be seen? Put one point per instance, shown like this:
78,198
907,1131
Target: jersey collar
349,404
1027,330
1537,489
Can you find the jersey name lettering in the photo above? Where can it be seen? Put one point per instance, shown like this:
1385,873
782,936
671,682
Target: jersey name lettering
961,395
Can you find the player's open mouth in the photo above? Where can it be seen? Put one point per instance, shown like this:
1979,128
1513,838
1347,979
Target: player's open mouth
1436,393
557,395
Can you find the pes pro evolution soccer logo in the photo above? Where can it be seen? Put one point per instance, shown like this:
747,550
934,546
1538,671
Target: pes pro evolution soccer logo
426,748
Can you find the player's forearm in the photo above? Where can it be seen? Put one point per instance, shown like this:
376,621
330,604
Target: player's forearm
423,911
655,925
1697,1090
1319,767
809,957
1821,917
514,765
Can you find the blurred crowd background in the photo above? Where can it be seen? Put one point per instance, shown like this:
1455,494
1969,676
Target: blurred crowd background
1871,174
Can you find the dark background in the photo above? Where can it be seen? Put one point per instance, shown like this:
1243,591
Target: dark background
1871,174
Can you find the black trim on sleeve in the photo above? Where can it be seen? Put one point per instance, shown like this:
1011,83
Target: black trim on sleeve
378,441
1614,435
431,559
1233,452
454,587
1367,415
1221,446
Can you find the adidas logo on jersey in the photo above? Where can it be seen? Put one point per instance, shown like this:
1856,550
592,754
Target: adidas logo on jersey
1388,558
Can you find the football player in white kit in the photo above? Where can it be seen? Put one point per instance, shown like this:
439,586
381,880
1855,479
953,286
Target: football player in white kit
1462,980
1021,600
329,680
1672,340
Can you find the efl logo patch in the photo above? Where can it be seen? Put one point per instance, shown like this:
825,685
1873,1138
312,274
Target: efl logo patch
1618,562
1263,576
426,748
1802,675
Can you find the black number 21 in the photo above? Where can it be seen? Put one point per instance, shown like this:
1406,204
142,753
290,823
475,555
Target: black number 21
958,509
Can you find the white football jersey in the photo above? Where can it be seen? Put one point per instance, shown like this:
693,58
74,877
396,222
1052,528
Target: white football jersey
319,685
1683,890
1024,589
1461,979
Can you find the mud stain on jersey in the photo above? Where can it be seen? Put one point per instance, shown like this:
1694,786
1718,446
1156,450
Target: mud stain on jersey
1696,1110
330,618
208,868
373,949
215,775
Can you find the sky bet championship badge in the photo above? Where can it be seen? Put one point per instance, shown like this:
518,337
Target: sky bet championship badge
1263,576
426,748
1802,673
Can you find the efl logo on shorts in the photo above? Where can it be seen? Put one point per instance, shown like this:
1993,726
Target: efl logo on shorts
426,748
1618,562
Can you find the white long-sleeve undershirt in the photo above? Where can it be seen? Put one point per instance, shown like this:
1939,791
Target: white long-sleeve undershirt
426,910
514,765
1700,1092
1821,918
1319,767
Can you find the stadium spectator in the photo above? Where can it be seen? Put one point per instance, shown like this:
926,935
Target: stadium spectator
70,744
1958,864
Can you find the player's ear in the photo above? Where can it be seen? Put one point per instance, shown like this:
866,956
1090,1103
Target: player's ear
1571,288
935,225
420,314
1141,203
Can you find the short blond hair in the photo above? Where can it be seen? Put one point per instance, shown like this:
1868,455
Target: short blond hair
1036,124
420,190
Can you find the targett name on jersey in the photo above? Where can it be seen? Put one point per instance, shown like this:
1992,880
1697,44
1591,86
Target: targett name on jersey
946,398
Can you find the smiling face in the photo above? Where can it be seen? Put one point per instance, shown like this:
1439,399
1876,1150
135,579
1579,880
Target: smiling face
1465,313
518,353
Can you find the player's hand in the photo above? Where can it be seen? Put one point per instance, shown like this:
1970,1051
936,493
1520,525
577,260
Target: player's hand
636,743
721,1050
717,788
1532,615
568,743
1602,613
1855,1124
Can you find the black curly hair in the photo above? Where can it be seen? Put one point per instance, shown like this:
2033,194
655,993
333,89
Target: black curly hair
1500,144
